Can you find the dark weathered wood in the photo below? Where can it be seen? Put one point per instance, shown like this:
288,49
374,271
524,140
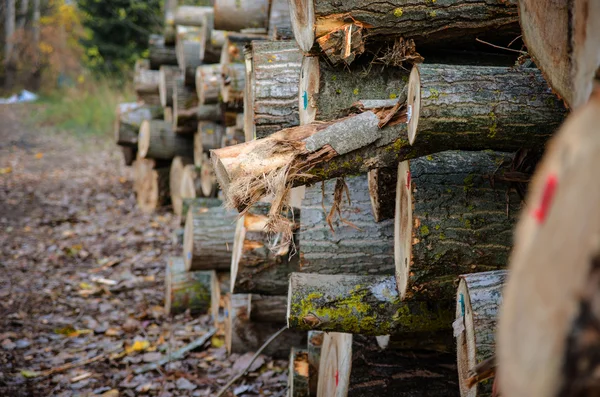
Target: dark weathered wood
235,15
367,305
382,189
357,244
267,308
159,53
184,99
158,141
166,80
208,238
298,373
185,121
455,212
186,290
129,154
255,266
128,119
314,345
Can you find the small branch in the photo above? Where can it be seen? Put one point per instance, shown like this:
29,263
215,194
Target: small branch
502,48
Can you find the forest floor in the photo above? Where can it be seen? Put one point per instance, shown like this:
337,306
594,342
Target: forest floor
82,279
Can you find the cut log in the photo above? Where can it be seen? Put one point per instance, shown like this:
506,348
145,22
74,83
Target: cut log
145,83
233,83
235,15
314,345
129,154
367,305
208,137
190,185
219,287
190,51
342,29
214,46
564,40
233,48
185,121
478,301
547,342
197,202
354,366
175,179
273,104
267,309
358,245
192,15
128,120
208,180
279,20
298,379
159,53
151,185
183,99
243,335
208,238
208,83
177,237
158,141
518,113
186,290
166,80
382,189
455,212
255,266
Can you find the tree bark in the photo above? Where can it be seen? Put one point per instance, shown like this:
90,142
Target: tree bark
478,301
214,46
191,41
197,202
23,8
208,137
367,305
166,81
455,212
186,290
208,239
151,185
314,346
159,53
192,15
325,22
234,15
146,83
357,245
382,190
128,120
190,185
158,141
185,121
242,335
9,32
129,154
298,379
183,97
353,366
543,345
279,20
175,179
267,308
233,48
208,83
255,266
233,83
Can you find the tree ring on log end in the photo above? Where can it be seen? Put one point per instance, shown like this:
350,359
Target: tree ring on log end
144,139
302,15
465,341
403,228
413,103
335,365
310,76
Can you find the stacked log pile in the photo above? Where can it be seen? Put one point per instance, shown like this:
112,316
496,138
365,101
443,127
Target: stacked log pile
371,167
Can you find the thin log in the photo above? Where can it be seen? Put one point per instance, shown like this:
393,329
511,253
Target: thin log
357,245
208,137
478,301
219,287
314,346
546,340
128,119
298,379
151,184
208,83
382,189
158,141
208,238
280,20
367,305
255,267
455,212
192,15
159,53
190,50
267,308
175,179
186,290
185,121
166,80
241,14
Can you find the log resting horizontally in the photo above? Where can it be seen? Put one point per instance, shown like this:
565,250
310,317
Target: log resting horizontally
382,189
158,141
159,53
185,121
314,345
235,15
208,83
186,290
166,81
175,178
219,287
128,120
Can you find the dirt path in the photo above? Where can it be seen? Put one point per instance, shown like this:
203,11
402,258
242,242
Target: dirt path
68,216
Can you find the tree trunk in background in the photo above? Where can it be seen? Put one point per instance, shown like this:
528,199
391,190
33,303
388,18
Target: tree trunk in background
24,6
9,31
36,75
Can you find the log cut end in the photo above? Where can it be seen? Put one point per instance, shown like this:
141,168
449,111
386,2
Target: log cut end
208,180
413,103
298,373
403,228
302,15
335,365
308,88
144,139
175,181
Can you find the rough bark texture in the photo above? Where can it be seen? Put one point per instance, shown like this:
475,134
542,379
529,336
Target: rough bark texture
382,189
193,15
255,267
267,309
151,185
159,53
167,76
275,77
186,290
128,120
145,83
190,50
208,83
183,99
158,141
367,305
175,178
354,366
455,215
547,340
234,81
208,137
185,121
235,15
298,379
478,302
198,202
314,345
208,239
279,20
357,244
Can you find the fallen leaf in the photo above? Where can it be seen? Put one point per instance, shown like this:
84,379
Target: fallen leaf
5,170
110,393
138,346
217,341
29,374
39,155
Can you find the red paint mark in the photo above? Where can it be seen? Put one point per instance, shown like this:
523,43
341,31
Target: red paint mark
337,378
408,179
541,212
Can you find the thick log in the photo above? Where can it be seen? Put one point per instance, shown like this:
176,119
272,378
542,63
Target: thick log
455,212
159,53
314,346
208,137
191,41
563,38
166,81
185,121
158,141
382,189
233,83
488,122
219,287
145,82
342,29
192,15
151,185
272,100
208,238
298,379
128,120
280,22
255,266
208,83
235,15
175,179
186,290
367,305
354,366
547,342
243,335
267,308
357,245
478,301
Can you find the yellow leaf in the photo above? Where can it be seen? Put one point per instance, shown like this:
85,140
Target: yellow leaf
78,332
6,170
65,330
39,155
85,286
138,346
122,179
29,374
217,341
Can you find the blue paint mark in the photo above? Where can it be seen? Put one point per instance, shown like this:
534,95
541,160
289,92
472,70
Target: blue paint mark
305,99
189,255
461,300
